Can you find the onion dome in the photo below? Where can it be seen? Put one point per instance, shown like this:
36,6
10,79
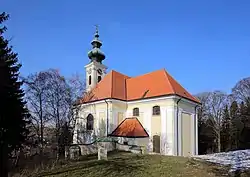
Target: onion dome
95,54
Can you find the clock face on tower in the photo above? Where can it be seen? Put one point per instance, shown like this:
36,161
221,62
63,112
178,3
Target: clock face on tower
89,71
99,71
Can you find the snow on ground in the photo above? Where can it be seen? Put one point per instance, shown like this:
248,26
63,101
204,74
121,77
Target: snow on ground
238,160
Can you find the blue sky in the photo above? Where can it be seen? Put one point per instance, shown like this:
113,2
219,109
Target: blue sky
203,44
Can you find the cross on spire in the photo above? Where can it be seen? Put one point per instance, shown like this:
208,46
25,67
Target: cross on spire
96,31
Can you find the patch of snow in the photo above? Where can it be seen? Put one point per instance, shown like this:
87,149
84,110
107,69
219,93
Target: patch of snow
238,160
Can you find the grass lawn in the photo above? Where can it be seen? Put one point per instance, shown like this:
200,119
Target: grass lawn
127,164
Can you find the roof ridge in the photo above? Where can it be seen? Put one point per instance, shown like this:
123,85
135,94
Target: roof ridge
167,75
112,83
146,73
119,73
186,93
126,92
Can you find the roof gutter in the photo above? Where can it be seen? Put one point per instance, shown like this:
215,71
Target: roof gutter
195,129
107,116
177,124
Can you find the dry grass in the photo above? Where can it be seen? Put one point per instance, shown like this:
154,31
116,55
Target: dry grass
127,164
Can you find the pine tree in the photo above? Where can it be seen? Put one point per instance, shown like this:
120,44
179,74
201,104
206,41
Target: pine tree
244,138
13,114
236,125
225,132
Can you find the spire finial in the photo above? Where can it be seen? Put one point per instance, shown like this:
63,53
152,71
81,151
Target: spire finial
96,28
96,53
96,31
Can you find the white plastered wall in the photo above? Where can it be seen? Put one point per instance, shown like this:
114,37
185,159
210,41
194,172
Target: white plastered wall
186,107
166,125
168,119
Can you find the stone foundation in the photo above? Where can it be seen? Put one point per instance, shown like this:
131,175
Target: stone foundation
102,148
93,148
102,151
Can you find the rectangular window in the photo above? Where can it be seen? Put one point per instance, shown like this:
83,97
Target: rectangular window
89,79
136,112
99,78
156,110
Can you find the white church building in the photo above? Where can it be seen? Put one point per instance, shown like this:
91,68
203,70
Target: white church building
151,110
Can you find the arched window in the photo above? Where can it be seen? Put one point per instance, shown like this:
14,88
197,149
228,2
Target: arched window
136,112
90,122
99,78
89,79
156,110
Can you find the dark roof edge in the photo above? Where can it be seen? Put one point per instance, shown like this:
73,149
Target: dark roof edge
142,99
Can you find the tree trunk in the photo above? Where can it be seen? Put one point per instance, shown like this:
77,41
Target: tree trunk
219,143
58,128
4,162
41,123
17,157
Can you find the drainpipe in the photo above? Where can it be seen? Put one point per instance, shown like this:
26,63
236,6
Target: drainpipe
177,122
195,122
107,117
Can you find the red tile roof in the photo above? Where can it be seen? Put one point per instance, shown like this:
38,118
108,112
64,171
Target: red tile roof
118,86
130,128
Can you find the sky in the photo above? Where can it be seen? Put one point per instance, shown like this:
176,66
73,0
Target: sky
203,44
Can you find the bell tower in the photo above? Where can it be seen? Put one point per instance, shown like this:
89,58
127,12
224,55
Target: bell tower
95,70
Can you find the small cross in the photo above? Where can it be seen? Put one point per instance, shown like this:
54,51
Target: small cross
96,28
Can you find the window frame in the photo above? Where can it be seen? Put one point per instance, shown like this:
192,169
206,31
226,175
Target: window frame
136,111
99,78
156,112
90,79
90,123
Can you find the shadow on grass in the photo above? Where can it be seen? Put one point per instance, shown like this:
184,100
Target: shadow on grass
218,170
106,167
222,170
122,165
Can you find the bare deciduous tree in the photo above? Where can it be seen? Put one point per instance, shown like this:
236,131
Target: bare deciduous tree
36,88
241,90
203,97
58,95
61,95
77,90
212,107
50,100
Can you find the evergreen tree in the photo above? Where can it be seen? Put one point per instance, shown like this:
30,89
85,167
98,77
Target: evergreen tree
236,125
244,112
13,114
64,139
225,132
244,138
202,137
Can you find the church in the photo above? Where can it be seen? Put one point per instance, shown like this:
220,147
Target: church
151,110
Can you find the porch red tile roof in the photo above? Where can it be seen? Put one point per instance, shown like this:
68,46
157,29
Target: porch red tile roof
130,128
